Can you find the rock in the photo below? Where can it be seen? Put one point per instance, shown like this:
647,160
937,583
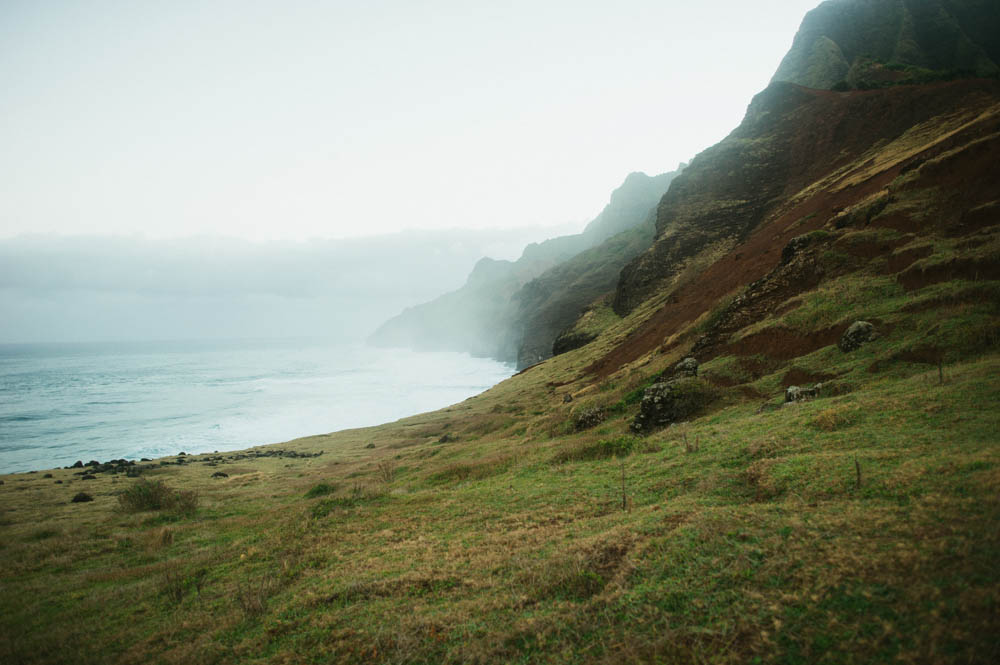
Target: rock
567,398
796,394
370,445
857,334
686,367
77,465
59,482
82,497
88,476
181,454
220,474
670,402
47,475
589,417
446,438
93,462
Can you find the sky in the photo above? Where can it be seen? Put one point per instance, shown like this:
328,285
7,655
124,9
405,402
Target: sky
302,119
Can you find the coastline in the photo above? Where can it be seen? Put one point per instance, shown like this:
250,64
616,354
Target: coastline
90,403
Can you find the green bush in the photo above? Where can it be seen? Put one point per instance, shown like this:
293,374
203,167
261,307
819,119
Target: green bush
621,446
156,495
321,489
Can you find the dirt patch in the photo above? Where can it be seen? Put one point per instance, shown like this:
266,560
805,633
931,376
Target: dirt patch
929,355
870,250
968,269
898,221
963,297
979,218
900,261
796,376
758,366
783,343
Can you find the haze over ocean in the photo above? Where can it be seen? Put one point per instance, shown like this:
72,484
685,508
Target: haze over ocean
65,402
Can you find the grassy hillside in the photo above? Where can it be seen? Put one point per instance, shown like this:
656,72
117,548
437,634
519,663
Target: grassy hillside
530,525
854,528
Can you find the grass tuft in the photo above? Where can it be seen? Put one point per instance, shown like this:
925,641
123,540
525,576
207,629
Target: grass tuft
145,495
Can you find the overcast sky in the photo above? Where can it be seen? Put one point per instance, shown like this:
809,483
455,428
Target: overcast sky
299,119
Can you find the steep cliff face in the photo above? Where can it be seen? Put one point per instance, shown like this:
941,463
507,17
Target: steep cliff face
513,311
552,302
791,137
802,193
841,40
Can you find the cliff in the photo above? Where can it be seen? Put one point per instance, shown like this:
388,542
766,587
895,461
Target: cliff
499,312
868,44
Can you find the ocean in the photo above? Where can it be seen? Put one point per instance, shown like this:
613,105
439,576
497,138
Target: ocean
60,403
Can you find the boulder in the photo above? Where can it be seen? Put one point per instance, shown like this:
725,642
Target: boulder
857,334
220,474
670,402
797,394
589,417
81,497
686,367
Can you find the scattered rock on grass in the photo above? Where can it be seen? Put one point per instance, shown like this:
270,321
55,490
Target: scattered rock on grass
857,334
670,402
220,474
589,417
686,367
82,497
796,394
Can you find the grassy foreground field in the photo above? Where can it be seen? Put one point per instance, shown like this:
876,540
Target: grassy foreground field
529,525
863,527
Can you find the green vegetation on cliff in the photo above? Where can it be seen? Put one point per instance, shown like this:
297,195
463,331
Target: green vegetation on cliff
921,40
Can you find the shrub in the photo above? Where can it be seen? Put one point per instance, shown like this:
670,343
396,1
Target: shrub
618,447
321,489
387,471
156,495
252,596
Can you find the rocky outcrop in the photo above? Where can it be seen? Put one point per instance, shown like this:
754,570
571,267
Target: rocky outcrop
857,334
797,394
549,305
860,43
671,401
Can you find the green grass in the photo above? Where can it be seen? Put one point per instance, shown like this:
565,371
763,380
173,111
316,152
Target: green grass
758,545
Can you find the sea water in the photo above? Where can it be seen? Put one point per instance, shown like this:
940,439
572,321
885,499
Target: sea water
65,402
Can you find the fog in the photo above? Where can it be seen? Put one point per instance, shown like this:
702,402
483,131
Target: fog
60,289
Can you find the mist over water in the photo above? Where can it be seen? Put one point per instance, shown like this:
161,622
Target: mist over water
65,402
